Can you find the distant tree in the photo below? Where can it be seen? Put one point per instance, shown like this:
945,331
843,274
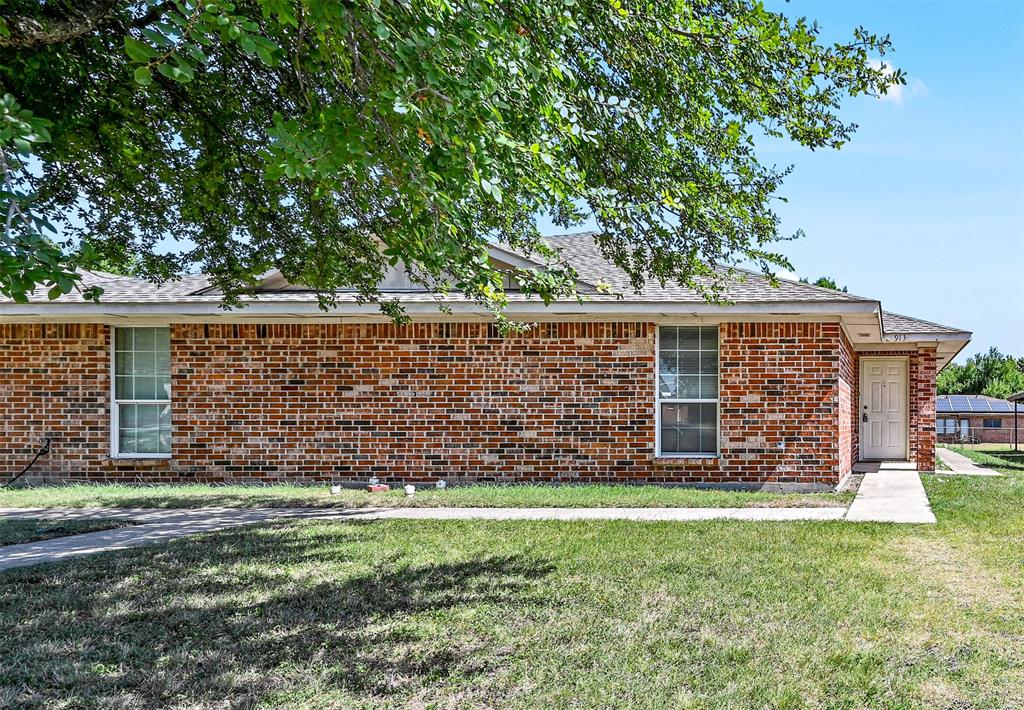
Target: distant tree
826,282
992,374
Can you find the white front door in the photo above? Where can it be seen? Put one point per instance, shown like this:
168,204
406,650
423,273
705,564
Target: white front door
883,400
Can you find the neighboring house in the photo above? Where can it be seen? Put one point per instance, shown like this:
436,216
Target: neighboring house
977,418
789,385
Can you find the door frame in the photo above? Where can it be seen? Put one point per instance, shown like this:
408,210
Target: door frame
905,361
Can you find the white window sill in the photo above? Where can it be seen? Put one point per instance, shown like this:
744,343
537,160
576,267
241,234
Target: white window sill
129,457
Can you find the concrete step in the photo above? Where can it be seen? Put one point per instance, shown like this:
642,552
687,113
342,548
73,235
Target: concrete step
873,466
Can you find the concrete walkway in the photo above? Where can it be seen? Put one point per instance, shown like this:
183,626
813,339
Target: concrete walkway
893,493
161,525
962,465
154,525
888,493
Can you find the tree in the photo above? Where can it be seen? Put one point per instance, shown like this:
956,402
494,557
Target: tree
992,374
826,282
331,139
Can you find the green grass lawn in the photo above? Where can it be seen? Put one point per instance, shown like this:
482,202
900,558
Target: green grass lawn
456,614
998,457
983,447
485,496
13,532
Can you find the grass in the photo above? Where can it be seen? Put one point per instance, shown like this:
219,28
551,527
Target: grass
984,447
998,457
482,496
14,532
460,614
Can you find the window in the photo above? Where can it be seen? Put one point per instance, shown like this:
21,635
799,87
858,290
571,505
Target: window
688,391
141,410
945,426
993,423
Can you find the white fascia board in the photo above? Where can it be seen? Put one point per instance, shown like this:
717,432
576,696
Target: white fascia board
925,337
305,309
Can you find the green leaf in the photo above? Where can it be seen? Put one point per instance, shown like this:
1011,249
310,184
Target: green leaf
138,51
174,73
143,76
196,53
382,31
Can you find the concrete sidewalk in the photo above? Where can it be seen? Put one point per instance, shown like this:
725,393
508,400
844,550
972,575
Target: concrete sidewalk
162,525
891,494
962,465
154,526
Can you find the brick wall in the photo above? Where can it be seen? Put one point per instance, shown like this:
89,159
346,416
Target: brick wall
569,401
779,405
1003,434
923,369
849,411
566,402
55,382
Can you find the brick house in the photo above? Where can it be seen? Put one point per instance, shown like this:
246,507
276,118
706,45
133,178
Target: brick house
977,418
789,386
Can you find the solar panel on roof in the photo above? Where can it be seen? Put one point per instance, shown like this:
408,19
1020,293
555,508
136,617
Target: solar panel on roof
998,405
959,403
942,405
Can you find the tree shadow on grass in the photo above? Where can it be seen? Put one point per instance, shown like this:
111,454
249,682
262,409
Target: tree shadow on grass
221,621
1009,460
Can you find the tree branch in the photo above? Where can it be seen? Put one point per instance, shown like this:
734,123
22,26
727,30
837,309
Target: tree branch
31,32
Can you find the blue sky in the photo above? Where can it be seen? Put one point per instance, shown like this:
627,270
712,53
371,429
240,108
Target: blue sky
924,209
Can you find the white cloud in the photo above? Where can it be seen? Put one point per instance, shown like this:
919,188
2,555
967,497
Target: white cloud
899,93
787,274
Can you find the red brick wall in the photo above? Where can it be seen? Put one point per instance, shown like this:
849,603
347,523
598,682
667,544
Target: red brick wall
849,399
566,402
923,369
986,435
55,382
569,401
778,404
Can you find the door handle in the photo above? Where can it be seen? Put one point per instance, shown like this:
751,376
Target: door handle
864,417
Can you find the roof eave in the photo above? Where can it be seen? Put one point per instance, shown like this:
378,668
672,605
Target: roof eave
256,308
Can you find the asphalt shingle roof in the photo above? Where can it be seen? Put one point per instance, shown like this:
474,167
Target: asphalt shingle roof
583,254
579,250
896,323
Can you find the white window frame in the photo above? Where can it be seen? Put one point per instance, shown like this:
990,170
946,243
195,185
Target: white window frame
658,401
115,403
